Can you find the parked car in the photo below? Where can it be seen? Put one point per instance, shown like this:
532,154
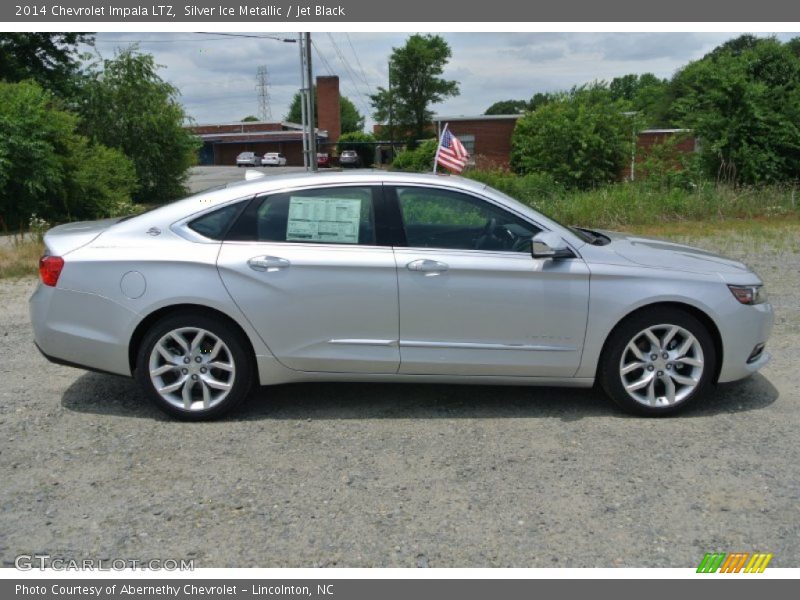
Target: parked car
273,159
389,277
323,160
349,158
248,159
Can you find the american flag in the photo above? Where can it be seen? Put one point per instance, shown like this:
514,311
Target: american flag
451,153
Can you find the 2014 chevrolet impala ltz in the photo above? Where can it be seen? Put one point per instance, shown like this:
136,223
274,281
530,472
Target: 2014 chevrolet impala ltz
371,276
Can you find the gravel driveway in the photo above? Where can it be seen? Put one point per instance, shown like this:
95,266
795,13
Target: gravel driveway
400,475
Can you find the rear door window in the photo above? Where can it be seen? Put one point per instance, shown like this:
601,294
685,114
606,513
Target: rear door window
335,215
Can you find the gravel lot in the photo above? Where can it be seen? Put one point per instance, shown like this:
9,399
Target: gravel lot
401,475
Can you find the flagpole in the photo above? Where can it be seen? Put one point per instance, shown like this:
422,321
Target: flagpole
438,147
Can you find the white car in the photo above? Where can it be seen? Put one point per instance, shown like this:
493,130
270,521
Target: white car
362,276
273,159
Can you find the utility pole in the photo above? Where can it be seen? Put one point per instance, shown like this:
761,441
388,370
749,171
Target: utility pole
312,137
262,85
391,115
303,101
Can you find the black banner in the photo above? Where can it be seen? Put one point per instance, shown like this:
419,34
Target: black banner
466,11
391,589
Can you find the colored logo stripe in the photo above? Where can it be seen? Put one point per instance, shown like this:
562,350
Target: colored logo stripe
711,562
734,562
758,563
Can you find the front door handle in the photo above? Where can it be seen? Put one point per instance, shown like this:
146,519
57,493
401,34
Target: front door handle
427,266
267,263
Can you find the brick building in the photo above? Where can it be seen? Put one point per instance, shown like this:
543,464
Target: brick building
487,138
685,143
222,142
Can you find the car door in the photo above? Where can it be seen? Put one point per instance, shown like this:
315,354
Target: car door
306,269
473,301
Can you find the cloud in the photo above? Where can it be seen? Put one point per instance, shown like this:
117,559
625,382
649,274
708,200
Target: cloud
217,74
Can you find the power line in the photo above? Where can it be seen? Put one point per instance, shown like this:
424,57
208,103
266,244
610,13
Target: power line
322,58
250,35
330,71
358,62
345,64
218,37
181,41
349,72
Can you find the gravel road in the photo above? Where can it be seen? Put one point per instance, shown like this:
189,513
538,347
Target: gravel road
400,475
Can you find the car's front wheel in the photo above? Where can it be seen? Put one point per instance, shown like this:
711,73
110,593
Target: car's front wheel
194,367
658,361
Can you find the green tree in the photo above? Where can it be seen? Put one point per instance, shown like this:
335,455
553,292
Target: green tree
507,107
742,101
415,73
645,94
129,107
539,99
250,119
50,59
48,169
581,139
351,119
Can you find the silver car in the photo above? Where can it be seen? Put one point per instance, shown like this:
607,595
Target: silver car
248,159
374,276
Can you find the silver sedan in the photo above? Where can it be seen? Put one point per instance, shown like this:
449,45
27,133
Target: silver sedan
372,276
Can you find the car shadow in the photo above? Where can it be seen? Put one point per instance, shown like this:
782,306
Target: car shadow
110,395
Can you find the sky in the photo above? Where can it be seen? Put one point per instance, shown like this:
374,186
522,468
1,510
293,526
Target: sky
216,73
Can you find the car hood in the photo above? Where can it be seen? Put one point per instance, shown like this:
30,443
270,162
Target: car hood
669,255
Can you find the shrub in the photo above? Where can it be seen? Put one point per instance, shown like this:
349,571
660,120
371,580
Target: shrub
581,139
419,160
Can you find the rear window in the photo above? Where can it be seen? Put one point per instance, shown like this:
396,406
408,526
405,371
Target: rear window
214,225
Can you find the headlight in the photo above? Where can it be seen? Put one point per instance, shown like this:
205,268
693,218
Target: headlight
749,294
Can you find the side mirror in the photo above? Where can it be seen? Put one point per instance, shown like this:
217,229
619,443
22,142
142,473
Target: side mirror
547,244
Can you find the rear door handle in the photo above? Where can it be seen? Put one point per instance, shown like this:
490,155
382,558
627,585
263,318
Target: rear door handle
427,266
268,263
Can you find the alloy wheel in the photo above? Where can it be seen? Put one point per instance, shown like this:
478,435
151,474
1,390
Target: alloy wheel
661,365
192,369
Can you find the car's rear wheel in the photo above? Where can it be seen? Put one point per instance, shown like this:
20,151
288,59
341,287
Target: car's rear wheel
194,367
658,361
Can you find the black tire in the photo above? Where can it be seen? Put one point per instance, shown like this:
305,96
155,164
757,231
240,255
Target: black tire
236,352
610,374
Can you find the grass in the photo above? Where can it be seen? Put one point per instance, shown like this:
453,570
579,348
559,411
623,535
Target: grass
20,258
622,205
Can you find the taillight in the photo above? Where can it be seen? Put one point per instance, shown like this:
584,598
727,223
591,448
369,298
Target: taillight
50,269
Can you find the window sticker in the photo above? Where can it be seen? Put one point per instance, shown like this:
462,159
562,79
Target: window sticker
320,219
